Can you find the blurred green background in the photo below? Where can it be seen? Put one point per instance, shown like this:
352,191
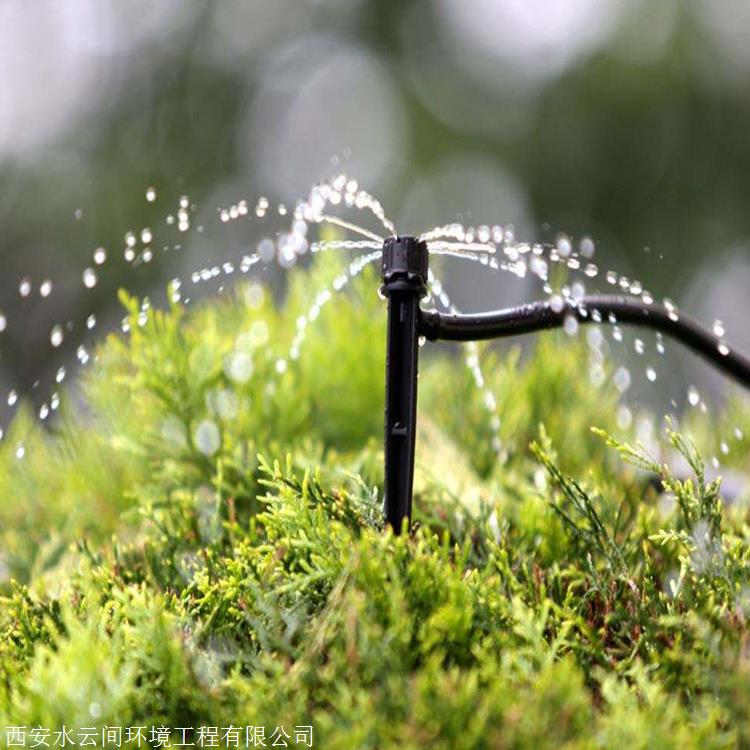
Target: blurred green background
626,120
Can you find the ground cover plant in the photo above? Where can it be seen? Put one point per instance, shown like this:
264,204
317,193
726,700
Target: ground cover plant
202,546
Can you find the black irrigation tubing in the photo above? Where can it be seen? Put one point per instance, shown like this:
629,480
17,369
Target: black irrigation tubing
404,276
540,316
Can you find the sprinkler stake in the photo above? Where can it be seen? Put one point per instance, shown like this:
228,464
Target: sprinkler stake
404,274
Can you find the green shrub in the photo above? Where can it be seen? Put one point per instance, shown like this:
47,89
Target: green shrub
204,546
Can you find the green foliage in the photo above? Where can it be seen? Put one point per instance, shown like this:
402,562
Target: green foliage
205,545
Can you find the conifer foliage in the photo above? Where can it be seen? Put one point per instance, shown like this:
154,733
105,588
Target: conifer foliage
203,545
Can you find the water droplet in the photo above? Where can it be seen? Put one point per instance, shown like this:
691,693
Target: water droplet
596,375
595,337
3,322
100,256
723,349
24,287
538,267
266,250
693,396
672,311
45,288
571,325
60,375
223,403
90,322
254,296
146,236
151,194
258,334
43,412
238,366
56,336
89,278
587,247
20,451
651,374
207,437
173,431
622,379
483,233
719,329
563,246
624,417
12,397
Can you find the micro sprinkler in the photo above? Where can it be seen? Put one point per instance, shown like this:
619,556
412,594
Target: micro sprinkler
405,266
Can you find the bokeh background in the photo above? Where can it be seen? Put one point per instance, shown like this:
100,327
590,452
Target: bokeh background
625,120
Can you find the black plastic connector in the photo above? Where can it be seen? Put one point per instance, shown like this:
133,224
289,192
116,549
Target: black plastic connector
404,274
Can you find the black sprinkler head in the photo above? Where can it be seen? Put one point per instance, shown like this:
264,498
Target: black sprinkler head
405,260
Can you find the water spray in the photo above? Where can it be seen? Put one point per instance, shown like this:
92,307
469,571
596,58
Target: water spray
405,266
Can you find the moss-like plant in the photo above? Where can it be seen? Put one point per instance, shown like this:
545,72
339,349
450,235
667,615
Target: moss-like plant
203,546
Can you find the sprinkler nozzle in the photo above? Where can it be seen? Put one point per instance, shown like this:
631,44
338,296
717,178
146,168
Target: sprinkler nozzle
405,264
